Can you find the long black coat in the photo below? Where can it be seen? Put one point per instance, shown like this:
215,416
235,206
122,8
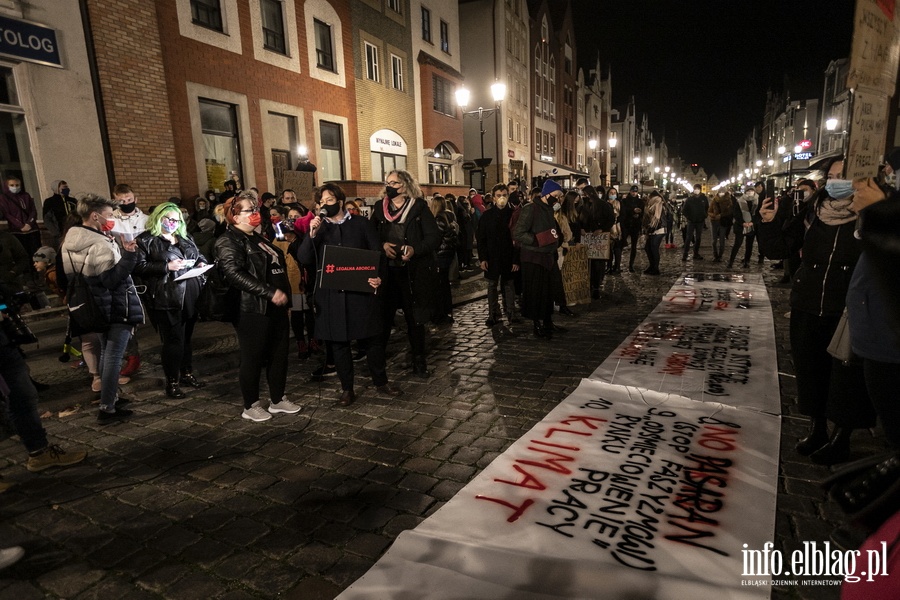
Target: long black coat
423,235
342,316
495,243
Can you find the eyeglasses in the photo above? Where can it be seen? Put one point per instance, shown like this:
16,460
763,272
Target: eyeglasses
248,211
394,184
171,220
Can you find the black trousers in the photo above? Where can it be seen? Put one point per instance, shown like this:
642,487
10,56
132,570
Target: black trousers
175,332
375,359
881,383
825,388
263,342
598,272
693,235
398,294
739,238
632,235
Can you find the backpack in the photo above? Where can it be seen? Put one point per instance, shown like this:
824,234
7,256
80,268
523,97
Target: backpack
85,315
218,301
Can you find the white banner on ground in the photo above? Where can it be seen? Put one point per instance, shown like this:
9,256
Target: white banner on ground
711,339
617,493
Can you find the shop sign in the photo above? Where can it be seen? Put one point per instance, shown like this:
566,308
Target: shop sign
29,41
387,142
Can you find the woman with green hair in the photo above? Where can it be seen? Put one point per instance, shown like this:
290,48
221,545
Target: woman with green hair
165,252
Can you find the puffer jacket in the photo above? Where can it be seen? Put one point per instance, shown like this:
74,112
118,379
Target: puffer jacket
243,263
154,254
107,270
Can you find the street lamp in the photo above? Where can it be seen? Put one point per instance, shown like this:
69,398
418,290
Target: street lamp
498,93
637,163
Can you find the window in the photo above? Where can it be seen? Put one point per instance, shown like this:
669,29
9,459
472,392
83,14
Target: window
443,96
445,37
509,128
372,62
273,26
218,122
396,72
14,143
382,164
207,13
546,137
395,6
426,24
440,165
552,144
324,49
537,103
509,41
331,159
537,59
518,131
580,131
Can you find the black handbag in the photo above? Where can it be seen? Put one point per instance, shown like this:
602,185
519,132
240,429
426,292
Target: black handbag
867,490
85,315
218,301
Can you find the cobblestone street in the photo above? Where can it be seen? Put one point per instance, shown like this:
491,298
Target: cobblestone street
187,500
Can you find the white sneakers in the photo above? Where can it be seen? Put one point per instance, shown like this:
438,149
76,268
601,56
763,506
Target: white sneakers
10,556
284,406
258,414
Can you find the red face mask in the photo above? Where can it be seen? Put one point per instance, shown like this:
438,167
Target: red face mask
254,219
108,225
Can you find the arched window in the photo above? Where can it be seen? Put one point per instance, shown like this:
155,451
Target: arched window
440,164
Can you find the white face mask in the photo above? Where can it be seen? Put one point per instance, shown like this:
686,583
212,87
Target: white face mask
15,189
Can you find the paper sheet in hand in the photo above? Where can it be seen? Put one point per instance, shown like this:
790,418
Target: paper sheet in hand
348,269
195,272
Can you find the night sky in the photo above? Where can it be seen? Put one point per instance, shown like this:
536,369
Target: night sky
700,69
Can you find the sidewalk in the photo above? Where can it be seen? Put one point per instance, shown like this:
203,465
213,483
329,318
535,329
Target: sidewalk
187,500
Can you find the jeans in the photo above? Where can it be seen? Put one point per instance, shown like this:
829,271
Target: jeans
693,234
719,233
23,399
263,342
494,287
632,235
652,250
738,239
112,350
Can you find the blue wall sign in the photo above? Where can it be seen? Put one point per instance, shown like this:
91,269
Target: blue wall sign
29,41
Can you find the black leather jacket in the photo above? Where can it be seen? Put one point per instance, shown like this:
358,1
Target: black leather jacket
243,263
154,254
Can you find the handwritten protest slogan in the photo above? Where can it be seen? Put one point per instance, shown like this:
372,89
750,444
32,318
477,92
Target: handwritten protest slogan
623,491
627,480
710,339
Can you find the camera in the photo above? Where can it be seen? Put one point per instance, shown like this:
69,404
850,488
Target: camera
13,325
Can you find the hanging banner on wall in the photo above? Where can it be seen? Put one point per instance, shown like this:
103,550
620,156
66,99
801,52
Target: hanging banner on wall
619,492
711,339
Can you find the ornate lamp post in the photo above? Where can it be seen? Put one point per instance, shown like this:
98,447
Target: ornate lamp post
498,93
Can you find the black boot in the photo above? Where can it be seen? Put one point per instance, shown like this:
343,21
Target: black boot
836,451
172,388
541,331
188,378
420,368
816,437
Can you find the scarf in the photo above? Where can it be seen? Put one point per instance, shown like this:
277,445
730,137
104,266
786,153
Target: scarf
401,213
836,212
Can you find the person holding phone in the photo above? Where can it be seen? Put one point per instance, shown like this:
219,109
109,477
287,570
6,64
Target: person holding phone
90,249
165,252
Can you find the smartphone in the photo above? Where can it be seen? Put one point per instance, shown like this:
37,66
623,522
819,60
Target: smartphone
187,263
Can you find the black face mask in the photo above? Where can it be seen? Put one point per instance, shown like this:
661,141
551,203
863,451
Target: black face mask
332,209
128,208
391,192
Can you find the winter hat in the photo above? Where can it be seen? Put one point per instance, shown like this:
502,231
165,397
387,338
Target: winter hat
45,254
550,186
207,225
634,188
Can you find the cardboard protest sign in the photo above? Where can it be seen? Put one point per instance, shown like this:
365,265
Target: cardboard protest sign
711,339
619,492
